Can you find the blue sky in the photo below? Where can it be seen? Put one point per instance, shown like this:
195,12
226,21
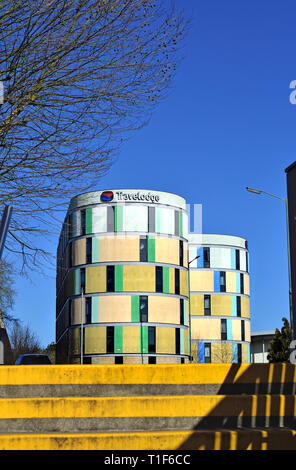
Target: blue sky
227,124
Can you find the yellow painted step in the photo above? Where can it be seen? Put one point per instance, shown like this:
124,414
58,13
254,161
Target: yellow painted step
151,406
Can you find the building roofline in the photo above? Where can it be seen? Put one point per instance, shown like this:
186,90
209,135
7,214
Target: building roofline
290,167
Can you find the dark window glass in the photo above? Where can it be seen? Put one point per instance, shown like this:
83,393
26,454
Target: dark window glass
118,359
151,339
207,304
143,308
88,250
110,219
206,254
143,249
223,330
237,259
177,223
177,340
239,353
247,262
243,330
82,279
86,360
222,281
151,219
208,352
181,311
242,283
82,222
182,360
177,281
110,339
70,312
110,279
151,360
159,279
238,306
70,255
88,309
181,253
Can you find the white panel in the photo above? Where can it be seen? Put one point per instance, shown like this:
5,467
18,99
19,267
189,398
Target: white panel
135,218
220,258
242,260
191,255
99,219
215,239
165,220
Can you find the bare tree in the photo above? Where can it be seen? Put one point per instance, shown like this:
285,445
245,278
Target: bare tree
7,293
77,75
23,341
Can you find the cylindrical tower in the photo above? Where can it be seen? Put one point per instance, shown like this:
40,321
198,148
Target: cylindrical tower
122,279
219,298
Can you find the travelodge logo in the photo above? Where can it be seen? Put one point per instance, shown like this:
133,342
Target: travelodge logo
107,196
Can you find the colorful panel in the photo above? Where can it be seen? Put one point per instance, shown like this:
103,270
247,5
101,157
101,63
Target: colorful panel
74,341
139,278
95,340
163,309
88,221
119,248
95,252
197,304
135,218
202,281
135,305
201,352
151,249
167,250
79,252
95,309
165,340
245,310
221,305
131,339
236,330
246,284
115,308
184,282
206,328
99,219
95,279
230,282
118,340
217,281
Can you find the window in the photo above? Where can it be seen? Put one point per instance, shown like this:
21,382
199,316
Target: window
181,253
143,308
151,219
88,250
82,279
243,330
206,256
110,278
177,340
239,353
208,352
207,304
110,219
237,260
241,283
151,339
222,281
118,359
181,311
110,339
158,278
143,249
88,310
223,330
177,281
182,360
247,262
238,306
151,360
82,221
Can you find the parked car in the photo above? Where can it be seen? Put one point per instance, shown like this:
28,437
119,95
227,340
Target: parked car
32,359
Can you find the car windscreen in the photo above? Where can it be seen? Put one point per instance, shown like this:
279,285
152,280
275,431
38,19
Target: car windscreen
35,360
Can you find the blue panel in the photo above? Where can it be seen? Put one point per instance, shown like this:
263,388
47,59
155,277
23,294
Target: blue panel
238,283
229,329
201,353
233,259
200,261
234,353
216,281
233,306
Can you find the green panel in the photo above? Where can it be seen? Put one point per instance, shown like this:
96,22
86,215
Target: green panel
118,219
144,339
118,339
151,249
77,281
95,309
166,279
95,250
135,301
118,278
88,220
181,223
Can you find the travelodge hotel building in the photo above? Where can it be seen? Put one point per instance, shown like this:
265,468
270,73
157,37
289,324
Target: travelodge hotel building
125,293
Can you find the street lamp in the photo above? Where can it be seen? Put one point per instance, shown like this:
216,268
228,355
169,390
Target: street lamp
260,191
190,349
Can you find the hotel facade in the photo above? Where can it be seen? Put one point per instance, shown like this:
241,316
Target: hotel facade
123,284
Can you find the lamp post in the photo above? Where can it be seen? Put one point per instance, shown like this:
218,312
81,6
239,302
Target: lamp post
190,348
260,191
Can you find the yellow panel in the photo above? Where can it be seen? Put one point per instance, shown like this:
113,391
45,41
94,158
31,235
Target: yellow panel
172,280
245,307
220,305
230,282
75,341
185,254
163,309
221,352
246,284
247,331
76,311
115,308
186,342
139,278
95,279
167,360
119,248
194,351
206,328
202,281
79,252
245,353
131,339
236,330
132,360
69,284
166,250
197,304
95,340
183,282
165,340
